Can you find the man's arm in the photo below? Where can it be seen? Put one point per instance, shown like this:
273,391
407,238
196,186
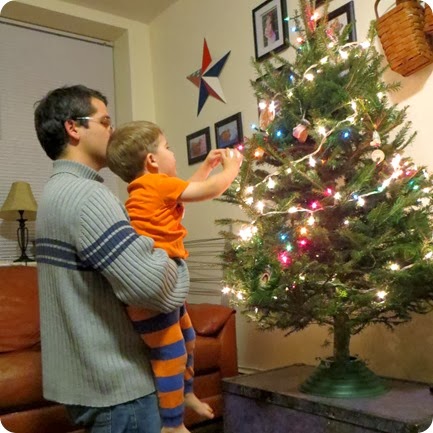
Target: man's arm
139,274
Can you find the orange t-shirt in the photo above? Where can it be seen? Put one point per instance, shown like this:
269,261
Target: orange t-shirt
155,211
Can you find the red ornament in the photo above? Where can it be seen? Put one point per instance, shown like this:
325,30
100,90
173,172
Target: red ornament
300,132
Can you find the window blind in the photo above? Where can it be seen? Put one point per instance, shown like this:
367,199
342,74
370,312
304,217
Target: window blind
34,61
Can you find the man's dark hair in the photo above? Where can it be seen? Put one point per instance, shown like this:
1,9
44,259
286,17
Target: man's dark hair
56,108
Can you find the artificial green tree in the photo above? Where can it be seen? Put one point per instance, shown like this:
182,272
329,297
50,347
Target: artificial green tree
339,222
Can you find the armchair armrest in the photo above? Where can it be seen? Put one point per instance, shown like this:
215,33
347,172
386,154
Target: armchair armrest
217,322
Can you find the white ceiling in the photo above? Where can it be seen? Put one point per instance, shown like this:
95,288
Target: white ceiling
138,10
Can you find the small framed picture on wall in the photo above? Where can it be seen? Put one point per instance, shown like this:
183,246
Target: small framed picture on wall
339,18
270,28
198,145
228,132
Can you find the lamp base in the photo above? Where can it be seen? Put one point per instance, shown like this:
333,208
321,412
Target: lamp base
24,258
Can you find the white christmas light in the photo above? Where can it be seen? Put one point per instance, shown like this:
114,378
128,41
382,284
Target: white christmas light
312,161
292,210
322,130
239,296
309,77
260,206
311,220
226,290
381,294
271,183
337,196
247,233
365,44
428,256
249,201
249,190
394,267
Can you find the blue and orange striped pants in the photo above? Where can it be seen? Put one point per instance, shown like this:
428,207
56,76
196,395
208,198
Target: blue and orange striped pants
171,339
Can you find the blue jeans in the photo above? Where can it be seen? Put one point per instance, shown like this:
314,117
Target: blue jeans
136,416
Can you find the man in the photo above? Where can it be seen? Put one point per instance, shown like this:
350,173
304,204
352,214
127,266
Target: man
90,263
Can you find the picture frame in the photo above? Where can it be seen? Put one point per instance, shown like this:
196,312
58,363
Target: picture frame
270,29
341,17
228,131
198,145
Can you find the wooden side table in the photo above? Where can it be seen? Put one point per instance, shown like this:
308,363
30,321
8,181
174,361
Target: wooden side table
270,402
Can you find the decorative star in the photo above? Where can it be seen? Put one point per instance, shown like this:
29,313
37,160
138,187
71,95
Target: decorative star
206,78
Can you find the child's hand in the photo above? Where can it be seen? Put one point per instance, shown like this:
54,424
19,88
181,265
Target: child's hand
231,159
214,158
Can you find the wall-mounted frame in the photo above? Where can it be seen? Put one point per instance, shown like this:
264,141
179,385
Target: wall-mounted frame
341,17
270,28
228,132
198,145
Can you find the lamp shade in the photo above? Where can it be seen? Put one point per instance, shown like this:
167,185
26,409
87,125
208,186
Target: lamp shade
20,198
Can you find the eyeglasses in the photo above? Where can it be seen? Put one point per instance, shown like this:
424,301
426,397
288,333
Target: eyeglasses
104,121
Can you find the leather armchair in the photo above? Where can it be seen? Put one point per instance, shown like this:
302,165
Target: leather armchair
22,407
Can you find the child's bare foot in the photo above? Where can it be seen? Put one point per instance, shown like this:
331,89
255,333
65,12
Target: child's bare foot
179,429
198,406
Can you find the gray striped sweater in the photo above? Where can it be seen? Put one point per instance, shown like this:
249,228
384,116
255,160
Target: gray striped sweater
90,263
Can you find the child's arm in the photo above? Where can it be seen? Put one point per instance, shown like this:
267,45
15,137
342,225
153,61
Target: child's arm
212,160
214,186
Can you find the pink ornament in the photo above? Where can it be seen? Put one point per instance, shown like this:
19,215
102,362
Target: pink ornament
300,132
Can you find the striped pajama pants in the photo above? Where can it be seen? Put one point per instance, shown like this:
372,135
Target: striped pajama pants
171,339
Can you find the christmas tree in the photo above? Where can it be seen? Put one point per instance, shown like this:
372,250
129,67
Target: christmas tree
338,230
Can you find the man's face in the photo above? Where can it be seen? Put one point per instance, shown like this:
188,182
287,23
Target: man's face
94,138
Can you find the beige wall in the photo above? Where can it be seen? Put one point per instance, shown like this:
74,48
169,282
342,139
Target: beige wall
152,63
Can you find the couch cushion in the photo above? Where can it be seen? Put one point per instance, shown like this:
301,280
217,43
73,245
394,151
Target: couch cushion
19,308
208,319
20,378
206,354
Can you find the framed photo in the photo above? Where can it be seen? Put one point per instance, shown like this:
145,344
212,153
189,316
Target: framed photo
270,29
340,18
228,132
198,145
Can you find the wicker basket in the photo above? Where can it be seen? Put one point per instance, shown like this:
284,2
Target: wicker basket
428,25
401,32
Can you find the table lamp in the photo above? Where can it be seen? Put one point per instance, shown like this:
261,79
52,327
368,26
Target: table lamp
20,201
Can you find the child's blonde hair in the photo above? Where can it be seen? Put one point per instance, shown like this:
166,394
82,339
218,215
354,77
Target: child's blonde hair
129,146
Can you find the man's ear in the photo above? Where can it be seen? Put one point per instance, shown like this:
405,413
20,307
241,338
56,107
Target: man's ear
72,130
